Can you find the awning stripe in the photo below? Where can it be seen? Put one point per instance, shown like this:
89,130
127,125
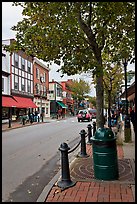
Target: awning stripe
62,104
25,102
8,101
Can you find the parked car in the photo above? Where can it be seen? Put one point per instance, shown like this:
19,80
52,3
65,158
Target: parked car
93,112
84,115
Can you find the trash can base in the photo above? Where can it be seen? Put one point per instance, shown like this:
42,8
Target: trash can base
106,173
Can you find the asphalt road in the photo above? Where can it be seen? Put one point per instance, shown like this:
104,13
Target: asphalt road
30,157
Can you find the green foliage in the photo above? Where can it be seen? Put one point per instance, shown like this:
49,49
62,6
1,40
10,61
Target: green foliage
92,100
113,78
79,89
53,31
78,35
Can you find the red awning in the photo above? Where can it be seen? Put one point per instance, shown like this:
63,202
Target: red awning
8,101
24,102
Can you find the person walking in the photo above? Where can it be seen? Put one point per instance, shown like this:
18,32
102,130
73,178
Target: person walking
132,116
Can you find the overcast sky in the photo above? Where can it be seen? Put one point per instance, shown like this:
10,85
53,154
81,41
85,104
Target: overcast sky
10,16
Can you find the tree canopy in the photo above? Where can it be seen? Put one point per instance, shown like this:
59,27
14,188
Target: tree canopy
79,89
76,35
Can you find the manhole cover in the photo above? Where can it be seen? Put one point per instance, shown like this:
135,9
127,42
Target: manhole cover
82,169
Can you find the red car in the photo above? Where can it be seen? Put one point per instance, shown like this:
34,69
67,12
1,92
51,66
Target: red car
93,112
84,115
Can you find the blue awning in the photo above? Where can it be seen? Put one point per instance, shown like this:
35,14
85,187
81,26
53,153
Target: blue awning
62,104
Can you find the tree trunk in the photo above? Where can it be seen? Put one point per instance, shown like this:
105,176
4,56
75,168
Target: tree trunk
100,100
109,108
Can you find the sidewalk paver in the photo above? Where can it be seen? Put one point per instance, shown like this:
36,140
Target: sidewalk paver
91,190
94,190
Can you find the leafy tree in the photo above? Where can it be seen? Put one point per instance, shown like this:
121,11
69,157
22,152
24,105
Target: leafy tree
92,100
76,34
79,89
112,79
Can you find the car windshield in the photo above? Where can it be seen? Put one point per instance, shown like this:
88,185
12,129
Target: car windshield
82,111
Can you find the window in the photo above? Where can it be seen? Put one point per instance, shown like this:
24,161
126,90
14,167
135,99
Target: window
23,85
41,90
37,73
29,87
29,66
22,63
37,88
2,84
46,110
59,91
44,90
16,84
44,77
16,60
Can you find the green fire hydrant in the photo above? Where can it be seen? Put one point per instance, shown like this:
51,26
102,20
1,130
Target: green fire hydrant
105,155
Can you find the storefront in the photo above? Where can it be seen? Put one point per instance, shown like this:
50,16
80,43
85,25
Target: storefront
43,106
15,106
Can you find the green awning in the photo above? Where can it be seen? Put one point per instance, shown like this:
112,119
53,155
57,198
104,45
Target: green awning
62,104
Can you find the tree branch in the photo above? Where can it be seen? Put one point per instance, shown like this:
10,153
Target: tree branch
103,42
89,17
87,30
103,36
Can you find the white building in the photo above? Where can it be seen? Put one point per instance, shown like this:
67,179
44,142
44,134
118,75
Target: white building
17,81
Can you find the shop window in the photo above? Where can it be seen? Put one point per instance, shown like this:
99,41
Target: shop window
5,113
46,110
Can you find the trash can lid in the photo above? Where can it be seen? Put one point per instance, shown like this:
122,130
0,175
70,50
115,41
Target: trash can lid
104,134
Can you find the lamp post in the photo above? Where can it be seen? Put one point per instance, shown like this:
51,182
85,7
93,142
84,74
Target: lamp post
127,130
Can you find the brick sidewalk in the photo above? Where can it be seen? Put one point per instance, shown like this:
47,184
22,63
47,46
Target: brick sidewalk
94,191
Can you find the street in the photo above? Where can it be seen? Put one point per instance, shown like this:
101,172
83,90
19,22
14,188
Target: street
30,157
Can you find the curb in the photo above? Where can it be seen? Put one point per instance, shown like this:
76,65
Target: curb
48,187
42,197
27,125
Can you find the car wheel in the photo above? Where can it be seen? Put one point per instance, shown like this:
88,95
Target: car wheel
78,120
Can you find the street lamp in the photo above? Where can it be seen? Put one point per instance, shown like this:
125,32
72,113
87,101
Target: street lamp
127,130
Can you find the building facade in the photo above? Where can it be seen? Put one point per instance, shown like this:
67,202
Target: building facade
5,85
67,97
20,84
55,96
41,87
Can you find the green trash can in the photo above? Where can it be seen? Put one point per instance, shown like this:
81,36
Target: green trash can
105,155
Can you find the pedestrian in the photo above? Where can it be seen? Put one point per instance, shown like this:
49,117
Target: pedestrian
31,118
38,116
132,117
